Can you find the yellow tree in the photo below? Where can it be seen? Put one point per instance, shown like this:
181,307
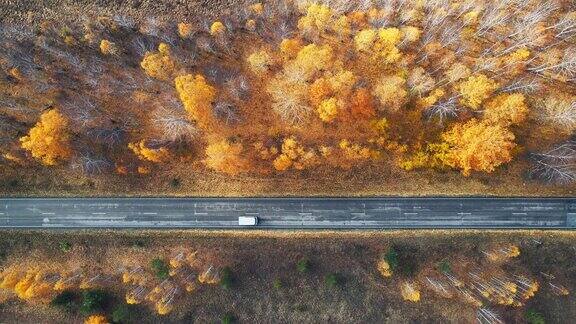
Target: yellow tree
197,96
49,140
310,60
318,18
391,91
10,277
108,48
146,153
328,109
259,61
506,109
410,292
478,146
475,89
96,319
159,65
226,157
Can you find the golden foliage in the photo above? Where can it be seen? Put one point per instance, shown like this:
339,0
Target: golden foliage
410,292
391,91
197,96
108,48
317,19
49,140
506,109
185,30
290,47
96,319
319,90
226,157
384,268
310,60
478,146
159,65
294,155
328,109
217,28
259,62
475,89
145,153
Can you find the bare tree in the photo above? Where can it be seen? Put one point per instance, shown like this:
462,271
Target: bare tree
559,111
226,112
524,85
90,164
488,316
174,126
443,110
557,165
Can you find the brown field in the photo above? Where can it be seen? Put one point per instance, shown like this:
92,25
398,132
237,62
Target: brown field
258,258
368,181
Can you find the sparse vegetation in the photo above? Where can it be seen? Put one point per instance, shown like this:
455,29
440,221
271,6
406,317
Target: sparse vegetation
492,274
226,278
332,280
93,300
533,317
67,300
160,268
65,246
303,265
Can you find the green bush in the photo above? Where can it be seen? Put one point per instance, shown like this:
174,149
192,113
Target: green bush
444,266
160,268
226,278
67,300
277,283
303,265
332,280
175,183
65,246
533,317
228,319
392,258
93,300
121,314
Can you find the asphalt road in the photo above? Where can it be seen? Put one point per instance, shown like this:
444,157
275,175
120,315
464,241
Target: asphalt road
288,213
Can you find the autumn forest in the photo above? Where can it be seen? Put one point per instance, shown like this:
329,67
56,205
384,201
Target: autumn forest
296,89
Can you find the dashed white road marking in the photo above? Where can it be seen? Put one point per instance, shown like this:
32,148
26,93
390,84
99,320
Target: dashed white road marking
98,213
149,213
48,213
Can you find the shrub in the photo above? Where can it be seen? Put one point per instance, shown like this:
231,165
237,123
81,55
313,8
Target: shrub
65,246
93,300
332,280
392,258
444,266
533,317
121,314
226,279
67,300
160,268
303,265
228,319
175,182
277,283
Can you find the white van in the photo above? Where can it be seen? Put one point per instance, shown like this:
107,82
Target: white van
247,221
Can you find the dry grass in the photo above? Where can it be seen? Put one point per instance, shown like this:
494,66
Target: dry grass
367,181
